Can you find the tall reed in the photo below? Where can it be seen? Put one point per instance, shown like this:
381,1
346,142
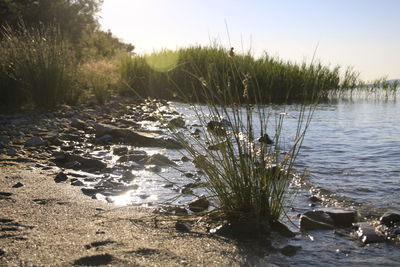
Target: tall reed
248,175
39,65
278,81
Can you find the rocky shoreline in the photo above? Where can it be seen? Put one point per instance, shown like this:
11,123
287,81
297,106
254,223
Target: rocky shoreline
43,152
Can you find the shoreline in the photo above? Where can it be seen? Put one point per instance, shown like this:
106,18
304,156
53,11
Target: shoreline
49,219
53,224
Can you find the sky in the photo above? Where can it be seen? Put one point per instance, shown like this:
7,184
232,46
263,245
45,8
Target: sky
363,34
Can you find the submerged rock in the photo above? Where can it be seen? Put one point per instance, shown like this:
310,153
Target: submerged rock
265,139
314,198
320,216
367,235
342,218
327,219
218,146
289,250
127,177
159,160
177,123
216,127
389,219
307,224
133,156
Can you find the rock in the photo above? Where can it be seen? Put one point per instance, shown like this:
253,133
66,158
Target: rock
4,140
314,199
92,191
177,123
78,162
127,177
134,138
72,165
18,185
104,139
250,229
282,229
265,139
12,152
389,219
199,204
216,128
133,156
177,210
289,250
319,216
153,168
196,133
307,224
34,141
342,218
78,124
95,260
61,177
120,150
367,235
218,146
183,227
158,159
185,159
77,183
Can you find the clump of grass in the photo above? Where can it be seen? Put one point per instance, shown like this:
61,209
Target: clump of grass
100,77
248,177
38,66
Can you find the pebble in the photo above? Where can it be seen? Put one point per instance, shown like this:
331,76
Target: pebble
61,177
18,185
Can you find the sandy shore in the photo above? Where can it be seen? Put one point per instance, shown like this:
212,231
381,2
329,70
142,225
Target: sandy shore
44,223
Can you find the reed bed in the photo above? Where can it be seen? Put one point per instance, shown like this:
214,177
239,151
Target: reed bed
169,74
37,66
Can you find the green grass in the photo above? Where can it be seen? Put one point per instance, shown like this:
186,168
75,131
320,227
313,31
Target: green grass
247,180
168,74
37,66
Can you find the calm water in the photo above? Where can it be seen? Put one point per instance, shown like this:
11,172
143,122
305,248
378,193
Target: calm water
351,150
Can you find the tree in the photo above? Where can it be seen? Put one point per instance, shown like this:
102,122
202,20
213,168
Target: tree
73,17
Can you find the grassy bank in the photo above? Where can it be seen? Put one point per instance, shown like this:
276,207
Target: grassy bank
38,67
185,71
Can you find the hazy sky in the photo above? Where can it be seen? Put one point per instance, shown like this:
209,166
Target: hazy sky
364,34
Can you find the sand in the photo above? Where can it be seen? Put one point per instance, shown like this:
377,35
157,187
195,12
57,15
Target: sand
44,223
